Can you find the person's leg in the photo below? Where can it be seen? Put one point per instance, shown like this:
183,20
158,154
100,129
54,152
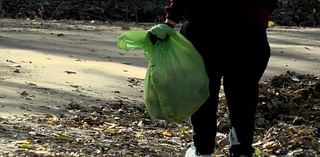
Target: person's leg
204,120
249,57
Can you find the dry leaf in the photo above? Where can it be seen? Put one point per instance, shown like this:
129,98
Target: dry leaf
26,144
167,133
140,134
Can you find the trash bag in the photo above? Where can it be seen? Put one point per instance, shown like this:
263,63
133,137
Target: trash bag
176,82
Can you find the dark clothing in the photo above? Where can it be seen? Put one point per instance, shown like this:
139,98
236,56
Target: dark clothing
240,57
231,37
233,12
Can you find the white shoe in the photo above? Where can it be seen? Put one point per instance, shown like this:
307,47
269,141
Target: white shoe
191,152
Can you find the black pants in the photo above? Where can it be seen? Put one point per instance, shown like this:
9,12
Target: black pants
239,55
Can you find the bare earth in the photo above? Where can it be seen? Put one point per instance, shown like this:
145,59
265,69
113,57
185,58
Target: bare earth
47,65
55,64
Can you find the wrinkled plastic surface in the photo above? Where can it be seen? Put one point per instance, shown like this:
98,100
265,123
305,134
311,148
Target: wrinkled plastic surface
176,83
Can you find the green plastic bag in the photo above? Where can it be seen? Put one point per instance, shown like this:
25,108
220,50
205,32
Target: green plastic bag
176,83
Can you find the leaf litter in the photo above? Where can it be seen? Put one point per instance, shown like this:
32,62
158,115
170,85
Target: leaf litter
288,124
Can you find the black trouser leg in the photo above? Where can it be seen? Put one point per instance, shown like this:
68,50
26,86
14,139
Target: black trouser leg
241,86
204,120
242,106
240,56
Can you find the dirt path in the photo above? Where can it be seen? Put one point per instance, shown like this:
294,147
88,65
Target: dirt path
47,64
294,49
57,68
44,69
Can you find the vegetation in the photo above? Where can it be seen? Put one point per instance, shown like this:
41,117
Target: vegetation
290,12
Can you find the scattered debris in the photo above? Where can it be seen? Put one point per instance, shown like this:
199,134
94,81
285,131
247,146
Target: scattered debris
17,71
288,116
288,124
60,35
70,72
133,81
116,91
16,65
31,84
10,61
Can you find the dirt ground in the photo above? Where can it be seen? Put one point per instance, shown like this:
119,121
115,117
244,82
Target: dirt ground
55,63
47,65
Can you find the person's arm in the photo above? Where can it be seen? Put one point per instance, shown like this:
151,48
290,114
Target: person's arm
174,10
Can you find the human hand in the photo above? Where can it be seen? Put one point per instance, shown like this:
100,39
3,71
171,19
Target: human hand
160,32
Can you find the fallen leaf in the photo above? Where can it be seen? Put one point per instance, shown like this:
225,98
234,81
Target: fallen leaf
85,125
140,134
53,121
62,136
257,151
26,144
167,133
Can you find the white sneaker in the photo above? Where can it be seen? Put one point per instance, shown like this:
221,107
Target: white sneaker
191,152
